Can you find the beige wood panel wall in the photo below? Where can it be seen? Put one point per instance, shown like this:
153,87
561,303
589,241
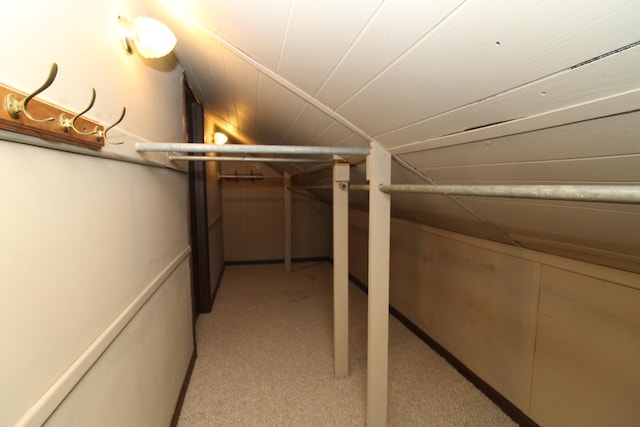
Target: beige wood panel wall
480,305
557,337
586,369
253,218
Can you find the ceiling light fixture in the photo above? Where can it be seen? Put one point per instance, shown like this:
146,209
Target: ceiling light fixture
151,38
220,138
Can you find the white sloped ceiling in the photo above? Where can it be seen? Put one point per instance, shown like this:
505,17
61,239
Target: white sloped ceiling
475,91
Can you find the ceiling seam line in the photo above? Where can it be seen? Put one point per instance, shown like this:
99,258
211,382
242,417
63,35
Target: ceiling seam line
344,139
350,48
230,86
489,223
257,102
533,162
501,232
274,76
525,119
402,55
535,182
559,204
218,84
284,36
283,82
293,122
502,93
471,103
319,134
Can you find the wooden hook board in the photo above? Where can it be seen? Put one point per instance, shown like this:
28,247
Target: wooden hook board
50,130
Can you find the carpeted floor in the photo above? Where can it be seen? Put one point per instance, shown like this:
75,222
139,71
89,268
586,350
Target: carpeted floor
265,359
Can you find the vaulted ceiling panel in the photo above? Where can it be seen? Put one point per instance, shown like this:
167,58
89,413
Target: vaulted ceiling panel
400,175
601,227
444,212
216,59
609,136
309,124
277,110
243,83
209,12
200,58
563,89
319,34
480,53
617,104
331,135
354,140
395,28
616,169
258,27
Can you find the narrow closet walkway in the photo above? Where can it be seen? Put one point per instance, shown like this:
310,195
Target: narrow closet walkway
265,358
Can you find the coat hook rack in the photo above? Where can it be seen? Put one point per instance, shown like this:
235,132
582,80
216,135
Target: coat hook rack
24,113
103,134
15,106
70,123
100,133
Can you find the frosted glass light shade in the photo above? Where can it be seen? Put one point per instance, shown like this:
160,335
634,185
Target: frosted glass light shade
220,138
151,38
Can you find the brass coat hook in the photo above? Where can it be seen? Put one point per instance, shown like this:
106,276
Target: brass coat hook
103,134
70,123
15,106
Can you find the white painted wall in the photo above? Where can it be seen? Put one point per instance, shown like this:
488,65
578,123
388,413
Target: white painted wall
559,338
94,253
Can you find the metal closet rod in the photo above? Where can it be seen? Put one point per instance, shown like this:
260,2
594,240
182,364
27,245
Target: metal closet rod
249,149
252,177
310,187
250,159
599,193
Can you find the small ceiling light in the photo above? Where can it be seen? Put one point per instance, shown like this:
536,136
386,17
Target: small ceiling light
220,138
151,38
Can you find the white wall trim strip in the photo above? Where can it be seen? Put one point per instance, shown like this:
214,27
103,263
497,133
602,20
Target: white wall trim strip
213,221
49,401
154,159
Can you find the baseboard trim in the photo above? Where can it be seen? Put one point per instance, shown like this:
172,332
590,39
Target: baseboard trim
277,261
183,390
502,402
215,291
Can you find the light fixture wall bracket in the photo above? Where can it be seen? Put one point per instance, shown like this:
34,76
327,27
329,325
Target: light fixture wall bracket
148,37
126,34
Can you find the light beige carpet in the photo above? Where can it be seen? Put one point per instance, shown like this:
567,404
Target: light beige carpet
265,359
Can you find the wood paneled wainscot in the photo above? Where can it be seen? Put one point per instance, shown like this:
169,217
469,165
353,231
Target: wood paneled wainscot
587,361
559,338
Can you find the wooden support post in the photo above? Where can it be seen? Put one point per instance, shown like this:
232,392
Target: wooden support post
341,269
378,172
287,222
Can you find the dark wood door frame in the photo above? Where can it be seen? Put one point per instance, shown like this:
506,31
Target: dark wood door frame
201,288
